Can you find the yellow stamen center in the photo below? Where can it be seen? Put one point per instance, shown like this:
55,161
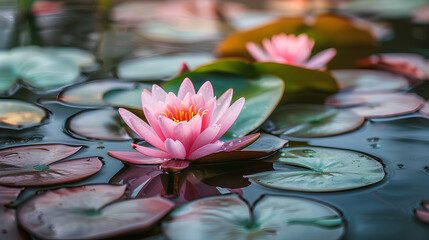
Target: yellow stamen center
182,114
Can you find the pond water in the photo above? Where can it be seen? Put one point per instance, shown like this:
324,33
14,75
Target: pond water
384,210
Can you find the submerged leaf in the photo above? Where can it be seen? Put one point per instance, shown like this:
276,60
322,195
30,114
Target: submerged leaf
272,217
88,212
37,165
307,121
17,114
321,170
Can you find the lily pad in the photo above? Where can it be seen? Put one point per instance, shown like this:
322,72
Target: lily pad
9,194
328,31
321,170
423,215
369,80
181,30
126,98
378,104
88,212
37,165
9,227
425,109
103,124
307,121
160,67
82,58
264,146
272,217
17,114
91,93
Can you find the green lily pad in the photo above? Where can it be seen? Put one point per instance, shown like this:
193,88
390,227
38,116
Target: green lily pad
91,93
369,80
82,58
89,212
127,98
321,170
103,124
307,121
17,114
271,217
160,67
262,95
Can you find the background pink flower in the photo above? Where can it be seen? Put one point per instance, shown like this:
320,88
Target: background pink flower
292,50
183,127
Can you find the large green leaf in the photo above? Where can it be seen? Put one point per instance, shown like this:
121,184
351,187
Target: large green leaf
321,170
262,95
272,217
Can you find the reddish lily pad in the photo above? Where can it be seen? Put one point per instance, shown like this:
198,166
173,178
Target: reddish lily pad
369,80
91,93
321,170
378,105
8,194
423,215
9,227
271,217
37,165
425,109
88,212
103,124
307,121
17,114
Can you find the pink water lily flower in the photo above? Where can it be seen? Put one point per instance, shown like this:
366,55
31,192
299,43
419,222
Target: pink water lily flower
292,50
183,127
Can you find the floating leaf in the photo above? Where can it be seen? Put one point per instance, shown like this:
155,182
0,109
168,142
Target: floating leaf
103,124
369,80
126,98
9,227
181,30
17,114
423,215
37,165
88,212
160,67
307,121
263,146
329,31
272,217
82,58
379,104
321,170
425,109
91,93
8,194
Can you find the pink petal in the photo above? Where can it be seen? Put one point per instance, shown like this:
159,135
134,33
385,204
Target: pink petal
141,128
153,122
205,150
230,116
158,93
151,152
183,133
239,142
175,148
257,52
147,99
184,68
167,126
321,59
186,87
206,137
175,165
222,105
206,90
272,52
135,157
